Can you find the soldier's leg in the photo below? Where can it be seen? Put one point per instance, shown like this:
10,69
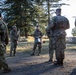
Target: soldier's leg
59,57
5,48
63,50
57,54
51,52
62,57
3,64
11,48
34,48
15,46
10,52
60,52
39,48
51,49
14,51
5,67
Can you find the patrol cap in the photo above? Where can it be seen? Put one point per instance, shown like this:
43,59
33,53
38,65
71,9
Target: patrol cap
14,27
58,10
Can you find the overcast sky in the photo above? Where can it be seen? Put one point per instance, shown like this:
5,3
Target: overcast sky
69,12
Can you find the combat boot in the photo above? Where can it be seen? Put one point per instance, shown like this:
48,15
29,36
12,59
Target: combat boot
57,62
32,54
61,62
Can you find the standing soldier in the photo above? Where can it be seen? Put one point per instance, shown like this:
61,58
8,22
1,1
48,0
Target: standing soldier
57,35
13,38
3,43
74,29
37,40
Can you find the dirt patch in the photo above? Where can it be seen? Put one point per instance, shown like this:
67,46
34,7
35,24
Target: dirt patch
23,64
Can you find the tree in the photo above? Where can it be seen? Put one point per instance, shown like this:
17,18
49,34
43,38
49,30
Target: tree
23,13
27,13
17,14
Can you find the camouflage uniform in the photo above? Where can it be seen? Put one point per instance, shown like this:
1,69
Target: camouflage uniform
37,35
74,29
56,33
3,43
13,40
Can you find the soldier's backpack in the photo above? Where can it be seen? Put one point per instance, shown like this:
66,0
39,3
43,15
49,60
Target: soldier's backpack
61,22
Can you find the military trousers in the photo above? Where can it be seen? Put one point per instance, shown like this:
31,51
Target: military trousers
59,46
13,48
3,63
35,46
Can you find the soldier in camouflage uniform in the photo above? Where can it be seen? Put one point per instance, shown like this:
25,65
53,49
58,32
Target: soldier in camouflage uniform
37,40
13,40
74,29
3,43
56,33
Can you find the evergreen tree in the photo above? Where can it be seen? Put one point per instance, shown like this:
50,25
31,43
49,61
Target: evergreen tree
26,13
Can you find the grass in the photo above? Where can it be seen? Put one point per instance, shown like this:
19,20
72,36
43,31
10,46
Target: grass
31,39
27,47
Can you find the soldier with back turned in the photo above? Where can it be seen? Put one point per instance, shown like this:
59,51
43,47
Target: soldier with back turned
57,37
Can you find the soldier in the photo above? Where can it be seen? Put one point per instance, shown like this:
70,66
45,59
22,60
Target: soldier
56,33
37,40
74,29
3,43
13,38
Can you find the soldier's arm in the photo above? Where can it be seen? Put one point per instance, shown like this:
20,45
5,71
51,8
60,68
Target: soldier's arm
41,34
12,36
50,27
34,35
48,32
66,24
6,32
